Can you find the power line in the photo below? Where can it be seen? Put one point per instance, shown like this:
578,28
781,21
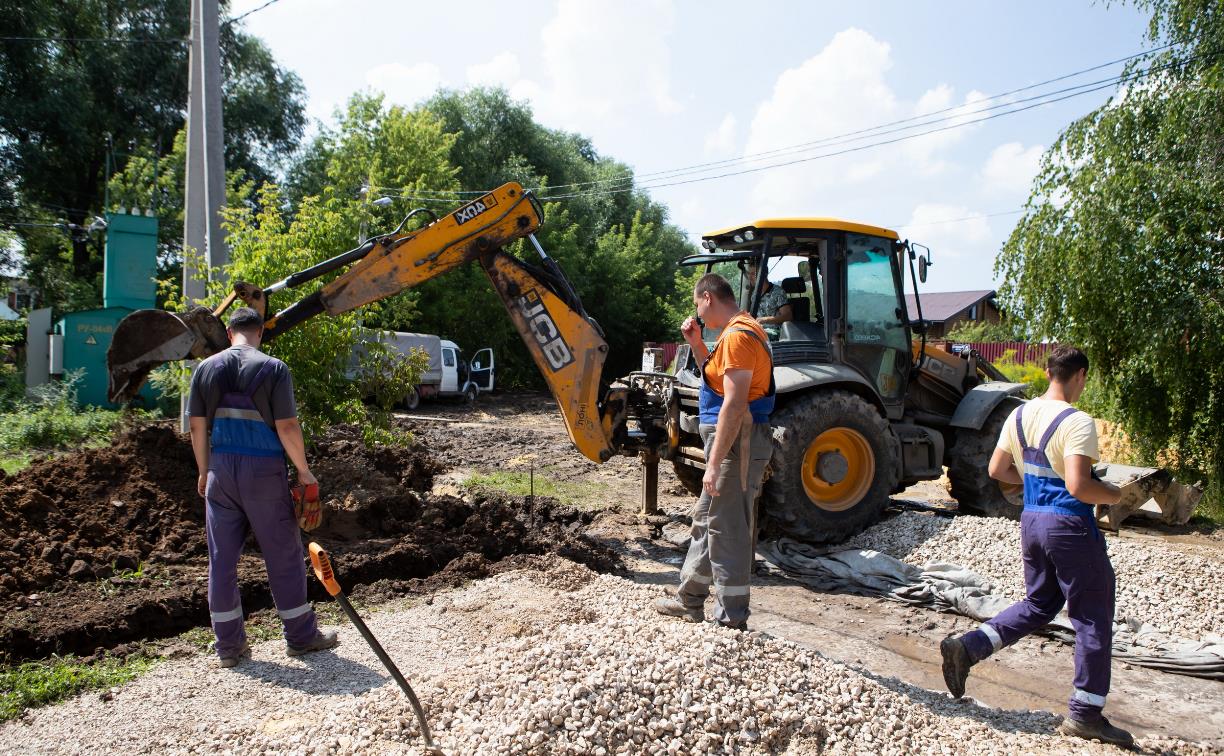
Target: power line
880,129
656,185
236,19
121,40
981,216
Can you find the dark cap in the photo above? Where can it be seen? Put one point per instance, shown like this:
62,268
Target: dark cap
245,319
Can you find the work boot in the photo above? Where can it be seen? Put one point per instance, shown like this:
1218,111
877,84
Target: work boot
742,625
670,607
956,664
1099,729
225,661
323,639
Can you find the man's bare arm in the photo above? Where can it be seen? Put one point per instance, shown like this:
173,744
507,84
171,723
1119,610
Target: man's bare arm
1083,486
289,431
1003,467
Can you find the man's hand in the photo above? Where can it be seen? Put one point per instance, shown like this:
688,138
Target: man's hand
307,478
202,483
690,330
709,481
306,505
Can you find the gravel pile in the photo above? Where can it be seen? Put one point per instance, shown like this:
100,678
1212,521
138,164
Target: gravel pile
1171,589
552,658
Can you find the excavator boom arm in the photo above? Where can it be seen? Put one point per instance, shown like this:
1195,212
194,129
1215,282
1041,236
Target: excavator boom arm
564,342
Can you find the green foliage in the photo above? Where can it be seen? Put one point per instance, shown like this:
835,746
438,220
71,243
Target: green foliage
617,249
31,684
13,333
53,420
1032,373
983,332
265,247
12,386
64,107
1120,251
386,377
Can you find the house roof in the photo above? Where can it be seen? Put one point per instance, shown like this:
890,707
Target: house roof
939,306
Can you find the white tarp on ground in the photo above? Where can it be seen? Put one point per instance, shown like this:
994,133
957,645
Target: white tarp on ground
952,588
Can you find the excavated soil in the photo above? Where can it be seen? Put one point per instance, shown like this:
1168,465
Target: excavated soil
106,547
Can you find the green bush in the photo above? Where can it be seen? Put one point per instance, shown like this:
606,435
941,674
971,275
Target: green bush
1031,373
53,420
12,387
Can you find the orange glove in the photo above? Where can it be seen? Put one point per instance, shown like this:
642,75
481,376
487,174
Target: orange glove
306,506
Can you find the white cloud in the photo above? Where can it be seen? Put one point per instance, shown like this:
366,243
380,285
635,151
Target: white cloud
841,89
603,63
502,70
1010,168
951,231
721,141
405,85
938,104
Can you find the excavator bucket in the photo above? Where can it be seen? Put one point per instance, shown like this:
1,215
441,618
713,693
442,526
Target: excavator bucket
146,339
1148,492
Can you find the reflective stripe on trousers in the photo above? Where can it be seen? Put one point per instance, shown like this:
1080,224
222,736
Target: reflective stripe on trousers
720,552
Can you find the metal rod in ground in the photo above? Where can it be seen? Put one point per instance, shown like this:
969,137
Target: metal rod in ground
390,665
321,562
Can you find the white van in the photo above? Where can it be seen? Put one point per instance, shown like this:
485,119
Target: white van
448,374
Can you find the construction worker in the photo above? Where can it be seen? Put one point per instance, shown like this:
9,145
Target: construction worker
737,395
243,423
774,309
1049,446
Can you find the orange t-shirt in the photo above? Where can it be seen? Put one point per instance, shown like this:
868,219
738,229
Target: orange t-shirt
736,350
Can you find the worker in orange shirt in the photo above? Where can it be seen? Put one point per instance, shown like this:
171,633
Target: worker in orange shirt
737,396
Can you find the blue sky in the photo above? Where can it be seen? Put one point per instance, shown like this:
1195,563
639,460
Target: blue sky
667,84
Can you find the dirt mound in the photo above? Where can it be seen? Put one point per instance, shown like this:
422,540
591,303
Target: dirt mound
107,546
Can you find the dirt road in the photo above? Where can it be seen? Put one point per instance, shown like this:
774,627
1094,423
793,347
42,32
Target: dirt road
885,639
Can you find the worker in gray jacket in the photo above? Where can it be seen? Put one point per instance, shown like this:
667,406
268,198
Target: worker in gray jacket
243,423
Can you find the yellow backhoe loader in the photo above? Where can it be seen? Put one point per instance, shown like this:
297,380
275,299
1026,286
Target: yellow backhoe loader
864,406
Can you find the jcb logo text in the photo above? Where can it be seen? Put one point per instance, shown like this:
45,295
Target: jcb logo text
546,333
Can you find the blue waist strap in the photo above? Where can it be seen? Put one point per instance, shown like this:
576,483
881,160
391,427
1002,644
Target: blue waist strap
709,403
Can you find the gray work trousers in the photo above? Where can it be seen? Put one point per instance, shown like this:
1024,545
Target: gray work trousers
724,527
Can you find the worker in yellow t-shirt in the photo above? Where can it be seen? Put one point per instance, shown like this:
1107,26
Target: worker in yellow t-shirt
1050,446
737,395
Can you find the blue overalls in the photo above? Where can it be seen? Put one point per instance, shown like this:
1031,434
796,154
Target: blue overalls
720,552
1065,561
248,488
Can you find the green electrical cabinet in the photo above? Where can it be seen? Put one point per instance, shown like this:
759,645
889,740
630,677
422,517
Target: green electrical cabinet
86,335
128,283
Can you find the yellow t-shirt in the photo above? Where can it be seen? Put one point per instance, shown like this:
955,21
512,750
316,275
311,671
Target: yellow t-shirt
1076,435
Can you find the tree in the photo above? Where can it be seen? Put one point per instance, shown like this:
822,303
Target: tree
92,80
617,248
1121,248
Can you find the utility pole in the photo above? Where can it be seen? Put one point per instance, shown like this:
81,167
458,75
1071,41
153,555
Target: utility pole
205,190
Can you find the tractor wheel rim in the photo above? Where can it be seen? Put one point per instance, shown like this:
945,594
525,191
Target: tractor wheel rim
859,464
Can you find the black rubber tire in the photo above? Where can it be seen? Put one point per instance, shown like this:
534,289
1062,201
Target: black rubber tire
412,400
470,395
787,507
968,473
689,477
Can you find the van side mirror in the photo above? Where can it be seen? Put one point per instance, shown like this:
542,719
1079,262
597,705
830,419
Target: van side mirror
476,365
923,263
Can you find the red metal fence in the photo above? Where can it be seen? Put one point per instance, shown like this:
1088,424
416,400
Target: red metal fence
1024,352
